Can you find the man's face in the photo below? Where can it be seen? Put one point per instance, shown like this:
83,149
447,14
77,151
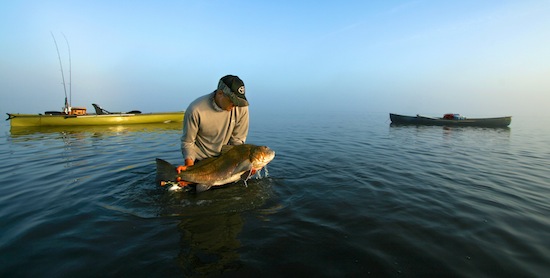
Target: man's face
223,101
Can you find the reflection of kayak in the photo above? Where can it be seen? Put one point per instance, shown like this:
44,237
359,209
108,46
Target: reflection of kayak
26,130
18,120
451,121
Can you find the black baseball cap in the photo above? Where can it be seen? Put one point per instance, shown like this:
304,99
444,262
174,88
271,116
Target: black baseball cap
233,87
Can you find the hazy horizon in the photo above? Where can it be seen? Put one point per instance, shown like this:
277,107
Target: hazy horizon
477,58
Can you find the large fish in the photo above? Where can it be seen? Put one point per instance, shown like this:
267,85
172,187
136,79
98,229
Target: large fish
234,163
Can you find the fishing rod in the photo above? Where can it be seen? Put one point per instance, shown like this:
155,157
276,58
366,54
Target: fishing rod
67,106
70,73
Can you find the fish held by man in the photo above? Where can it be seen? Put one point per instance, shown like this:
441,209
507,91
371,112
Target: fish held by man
234,163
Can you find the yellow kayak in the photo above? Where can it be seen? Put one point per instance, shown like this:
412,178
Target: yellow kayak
18,120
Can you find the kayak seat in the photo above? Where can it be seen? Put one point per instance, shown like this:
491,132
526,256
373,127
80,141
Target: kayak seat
99,110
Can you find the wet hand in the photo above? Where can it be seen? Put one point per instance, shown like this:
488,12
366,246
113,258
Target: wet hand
188,162
181,168
182,183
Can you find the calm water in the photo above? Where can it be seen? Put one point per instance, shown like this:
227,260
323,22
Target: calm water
347,195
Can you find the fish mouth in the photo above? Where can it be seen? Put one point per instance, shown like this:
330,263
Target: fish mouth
261,157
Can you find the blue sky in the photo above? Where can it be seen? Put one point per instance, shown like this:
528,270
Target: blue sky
477,58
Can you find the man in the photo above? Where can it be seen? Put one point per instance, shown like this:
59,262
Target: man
214,120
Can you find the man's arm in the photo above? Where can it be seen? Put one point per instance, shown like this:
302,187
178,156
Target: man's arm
240,132
190,130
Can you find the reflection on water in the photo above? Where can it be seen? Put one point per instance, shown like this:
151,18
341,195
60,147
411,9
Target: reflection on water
22,131
209,244
470,136
234,197
210,222
450,128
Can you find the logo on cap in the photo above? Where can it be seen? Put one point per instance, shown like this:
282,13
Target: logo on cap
241,90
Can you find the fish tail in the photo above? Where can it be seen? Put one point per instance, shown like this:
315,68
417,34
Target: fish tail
165,171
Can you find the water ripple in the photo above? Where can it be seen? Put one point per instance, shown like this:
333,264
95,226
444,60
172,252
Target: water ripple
347,195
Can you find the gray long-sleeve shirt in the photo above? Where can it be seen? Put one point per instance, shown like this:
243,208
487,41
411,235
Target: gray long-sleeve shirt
206,128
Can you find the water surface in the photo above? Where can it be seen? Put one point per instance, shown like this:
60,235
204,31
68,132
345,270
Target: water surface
347,195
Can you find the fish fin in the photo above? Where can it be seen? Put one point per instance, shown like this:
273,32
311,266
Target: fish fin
202,187
203,162
226,148
243,166
165,171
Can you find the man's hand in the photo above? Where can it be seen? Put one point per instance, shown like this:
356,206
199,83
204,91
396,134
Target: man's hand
182,183
181,168
188,162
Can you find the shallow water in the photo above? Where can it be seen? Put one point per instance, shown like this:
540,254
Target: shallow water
346,195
